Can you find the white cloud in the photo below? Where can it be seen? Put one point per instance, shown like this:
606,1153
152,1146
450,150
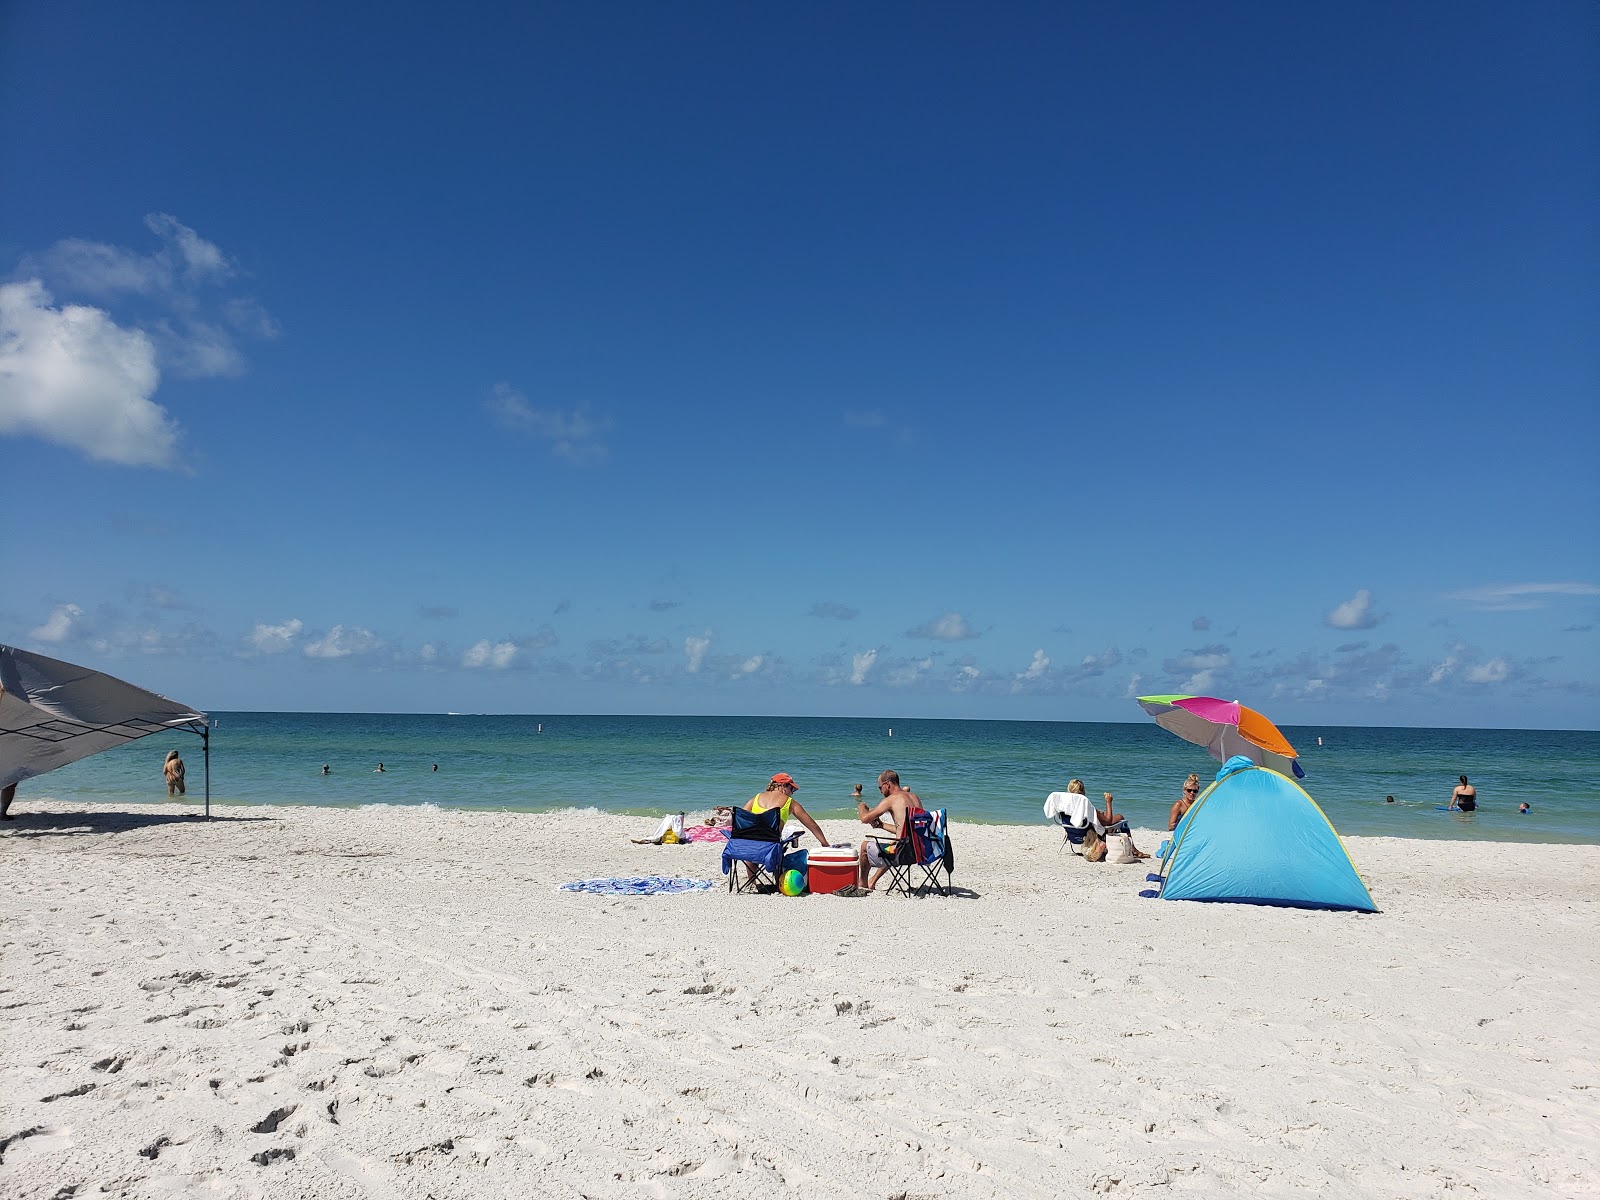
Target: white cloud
750,665
275,639
1446,666
427,652
1134,686
966,677
1099,664
83,378
72,376
1520,597
573,435
1496,670
907,673
495,656
59,625
340,642
1035,670
1354,613
201,261
694,651
184,262
860,664
200,351
951,627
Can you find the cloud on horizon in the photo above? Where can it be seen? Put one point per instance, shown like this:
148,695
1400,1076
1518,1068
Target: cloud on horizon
340,642
275,639
694,651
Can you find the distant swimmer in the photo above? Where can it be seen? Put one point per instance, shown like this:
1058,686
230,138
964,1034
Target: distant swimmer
378,770
1523,807
325,770
1388,799
1465,796
435,766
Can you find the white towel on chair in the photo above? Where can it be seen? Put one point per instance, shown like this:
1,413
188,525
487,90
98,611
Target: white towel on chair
1076,808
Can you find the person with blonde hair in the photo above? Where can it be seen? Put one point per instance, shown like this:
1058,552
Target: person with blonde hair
1191,793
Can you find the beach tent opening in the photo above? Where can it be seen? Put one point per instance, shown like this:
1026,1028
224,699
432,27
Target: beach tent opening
53,713
1257,837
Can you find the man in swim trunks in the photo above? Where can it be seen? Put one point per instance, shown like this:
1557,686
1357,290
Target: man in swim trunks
890,814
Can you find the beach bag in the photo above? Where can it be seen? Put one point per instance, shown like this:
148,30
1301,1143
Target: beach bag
1094,850
1120,849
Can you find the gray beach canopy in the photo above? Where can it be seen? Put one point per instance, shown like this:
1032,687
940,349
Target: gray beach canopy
53,713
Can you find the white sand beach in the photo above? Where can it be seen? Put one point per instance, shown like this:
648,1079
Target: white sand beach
288,1002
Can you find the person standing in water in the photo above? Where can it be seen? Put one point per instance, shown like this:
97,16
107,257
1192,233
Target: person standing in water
1465,797
174,772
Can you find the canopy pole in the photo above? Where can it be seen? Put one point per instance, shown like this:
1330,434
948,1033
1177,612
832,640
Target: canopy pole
205,744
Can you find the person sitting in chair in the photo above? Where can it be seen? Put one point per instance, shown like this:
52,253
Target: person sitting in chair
780,795
891,816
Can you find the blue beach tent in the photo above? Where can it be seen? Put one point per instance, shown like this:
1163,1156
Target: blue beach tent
1256,837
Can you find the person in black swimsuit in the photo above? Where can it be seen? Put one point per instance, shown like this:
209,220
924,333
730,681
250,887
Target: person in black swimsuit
1465,797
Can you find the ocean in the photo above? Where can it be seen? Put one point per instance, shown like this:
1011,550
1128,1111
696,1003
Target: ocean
995,772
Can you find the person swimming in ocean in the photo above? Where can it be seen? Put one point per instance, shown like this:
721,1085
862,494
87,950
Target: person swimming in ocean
1465,797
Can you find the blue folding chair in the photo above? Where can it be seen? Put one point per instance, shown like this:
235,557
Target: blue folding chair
756,839
1071,835
921,854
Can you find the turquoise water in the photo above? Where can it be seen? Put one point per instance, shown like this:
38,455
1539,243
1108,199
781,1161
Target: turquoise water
989,771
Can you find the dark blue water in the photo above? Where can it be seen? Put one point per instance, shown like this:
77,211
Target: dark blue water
990,771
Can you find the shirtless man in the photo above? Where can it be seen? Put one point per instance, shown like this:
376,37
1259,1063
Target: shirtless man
890,815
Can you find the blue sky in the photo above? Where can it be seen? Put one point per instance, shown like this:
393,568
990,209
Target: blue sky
944,360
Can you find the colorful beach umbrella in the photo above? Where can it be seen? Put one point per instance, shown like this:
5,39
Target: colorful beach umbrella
1225,728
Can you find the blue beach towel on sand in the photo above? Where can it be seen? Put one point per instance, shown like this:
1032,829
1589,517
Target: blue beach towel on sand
636,885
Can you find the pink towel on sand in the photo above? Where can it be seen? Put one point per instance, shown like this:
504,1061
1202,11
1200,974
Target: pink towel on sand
703,833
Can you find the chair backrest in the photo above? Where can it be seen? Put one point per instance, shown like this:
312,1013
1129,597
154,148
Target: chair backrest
757,827
923,836
933,839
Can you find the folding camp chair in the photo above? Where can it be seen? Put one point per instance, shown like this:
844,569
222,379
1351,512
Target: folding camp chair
757,840
921,854
1071,833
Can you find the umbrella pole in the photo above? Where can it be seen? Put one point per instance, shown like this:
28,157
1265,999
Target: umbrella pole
205,745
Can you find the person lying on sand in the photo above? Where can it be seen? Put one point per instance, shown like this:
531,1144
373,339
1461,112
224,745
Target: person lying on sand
670,831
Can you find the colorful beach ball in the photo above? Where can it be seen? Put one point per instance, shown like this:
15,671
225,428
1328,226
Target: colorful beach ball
792,884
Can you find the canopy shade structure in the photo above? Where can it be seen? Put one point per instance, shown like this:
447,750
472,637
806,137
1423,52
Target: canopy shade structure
53,713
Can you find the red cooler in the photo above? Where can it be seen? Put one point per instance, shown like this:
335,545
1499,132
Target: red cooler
830,869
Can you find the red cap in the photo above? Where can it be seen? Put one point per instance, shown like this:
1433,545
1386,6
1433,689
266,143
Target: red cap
785,777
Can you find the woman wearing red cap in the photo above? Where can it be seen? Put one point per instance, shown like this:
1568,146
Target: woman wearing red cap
780,795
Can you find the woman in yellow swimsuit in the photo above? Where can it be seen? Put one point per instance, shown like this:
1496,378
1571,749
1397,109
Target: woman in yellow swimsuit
780,795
